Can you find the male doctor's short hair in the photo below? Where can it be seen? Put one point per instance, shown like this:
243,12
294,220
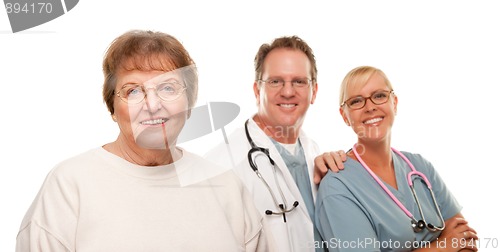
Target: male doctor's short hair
292,43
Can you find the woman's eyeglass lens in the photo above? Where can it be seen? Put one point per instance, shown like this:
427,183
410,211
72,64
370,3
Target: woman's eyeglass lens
135,93
359,102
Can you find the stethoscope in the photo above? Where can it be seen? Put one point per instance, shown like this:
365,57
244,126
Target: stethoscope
419,225
283,207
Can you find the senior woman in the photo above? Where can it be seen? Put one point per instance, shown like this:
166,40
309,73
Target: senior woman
370,206
142,192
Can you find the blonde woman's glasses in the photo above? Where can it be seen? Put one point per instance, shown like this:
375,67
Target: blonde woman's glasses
359,102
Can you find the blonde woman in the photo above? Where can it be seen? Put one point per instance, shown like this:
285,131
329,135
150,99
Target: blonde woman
385,200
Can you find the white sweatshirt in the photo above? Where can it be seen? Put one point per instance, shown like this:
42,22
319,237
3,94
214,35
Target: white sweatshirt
100,202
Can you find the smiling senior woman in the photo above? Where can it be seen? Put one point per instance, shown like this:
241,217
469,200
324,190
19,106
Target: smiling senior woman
142,192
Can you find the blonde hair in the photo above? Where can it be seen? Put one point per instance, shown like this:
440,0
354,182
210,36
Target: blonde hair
358,77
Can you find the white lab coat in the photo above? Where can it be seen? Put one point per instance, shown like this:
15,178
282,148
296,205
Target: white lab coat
296,235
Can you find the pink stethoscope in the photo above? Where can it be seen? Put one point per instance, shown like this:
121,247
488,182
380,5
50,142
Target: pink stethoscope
416,225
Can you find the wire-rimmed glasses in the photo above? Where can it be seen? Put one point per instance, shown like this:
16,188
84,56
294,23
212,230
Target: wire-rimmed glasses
136,93
278,83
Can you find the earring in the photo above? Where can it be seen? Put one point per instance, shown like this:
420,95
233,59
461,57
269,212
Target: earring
113,117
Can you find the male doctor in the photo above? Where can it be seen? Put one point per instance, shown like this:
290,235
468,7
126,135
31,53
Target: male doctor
270,153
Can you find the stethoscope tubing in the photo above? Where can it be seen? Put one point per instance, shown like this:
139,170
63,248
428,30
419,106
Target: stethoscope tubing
254,148
384,187
417,225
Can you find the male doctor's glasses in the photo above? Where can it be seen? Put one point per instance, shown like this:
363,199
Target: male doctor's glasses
279,83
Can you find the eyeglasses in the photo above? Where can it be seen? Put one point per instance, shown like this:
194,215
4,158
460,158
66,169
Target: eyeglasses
135,93
359,102
278,83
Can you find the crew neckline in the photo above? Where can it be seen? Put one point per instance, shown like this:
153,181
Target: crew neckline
146,172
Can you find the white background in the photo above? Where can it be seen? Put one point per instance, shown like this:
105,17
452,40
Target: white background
443,58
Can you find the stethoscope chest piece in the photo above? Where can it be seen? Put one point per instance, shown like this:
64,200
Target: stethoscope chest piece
418,226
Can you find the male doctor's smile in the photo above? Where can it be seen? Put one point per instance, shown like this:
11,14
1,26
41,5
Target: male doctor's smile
285,90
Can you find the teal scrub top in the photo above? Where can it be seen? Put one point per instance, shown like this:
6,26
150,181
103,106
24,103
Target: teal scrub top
353,213
297,165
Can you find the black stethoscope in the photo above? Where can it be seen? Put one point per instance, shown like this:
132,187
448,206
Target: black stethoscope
283,207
